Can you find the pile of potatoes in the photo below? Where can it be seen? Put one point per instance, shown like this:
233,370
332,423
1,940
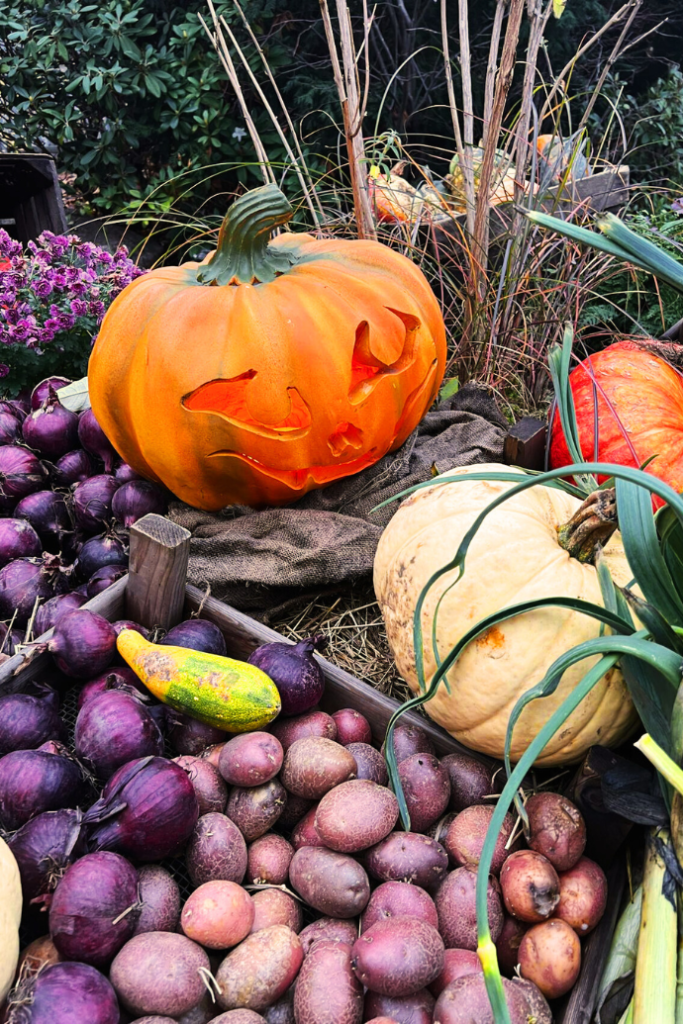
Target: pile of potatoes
312,906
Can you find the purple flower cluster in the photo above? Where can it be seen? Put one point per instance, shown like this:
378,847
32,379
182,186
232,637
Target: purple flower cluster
58,284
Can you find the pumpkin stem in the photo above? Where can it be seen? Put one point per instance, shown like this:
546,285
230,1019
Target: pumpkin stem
243,254
591,526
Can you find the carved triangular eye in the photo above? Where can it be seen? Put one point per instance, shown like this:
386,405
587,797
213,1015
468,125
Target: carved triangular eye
228,397
367,369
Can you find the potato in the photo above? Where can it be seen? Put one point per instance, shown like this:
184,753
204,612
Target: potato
407,857
456,907
260,969
218,914
457,963
352,727
313,723
427,789
295,809
410,739
398,957
415,1009
328,928
550,956
465,1000
216,850
583,896
158,972
314,765
250,759
256,809
507,943
531,888
369,763
304,832
539,1011
399,899
439,829
327,991
42,952
466,834
205,1010
282,1010
471,780
268,860
212,754
273,906
330,882
556,829
211,791
355,815
383,1020
159,895
154,1020
238,1017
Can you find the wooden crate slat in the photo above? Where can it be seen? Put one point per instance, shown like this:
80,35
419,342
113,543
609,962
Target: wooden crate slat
159,555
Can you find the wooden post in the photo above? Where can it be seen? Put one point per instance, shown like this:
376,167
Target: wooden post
159,553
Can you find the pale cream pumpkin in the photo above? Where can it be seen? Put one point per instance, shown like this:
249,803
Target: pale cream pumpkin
514,557
10,916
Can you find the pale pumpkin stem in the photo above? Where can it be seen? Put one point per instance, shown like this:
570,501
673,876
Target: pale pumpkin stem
591,526
243,254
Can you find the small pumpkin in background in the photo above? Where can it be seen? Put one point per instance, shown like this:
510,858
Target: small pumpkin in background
639,413
276,366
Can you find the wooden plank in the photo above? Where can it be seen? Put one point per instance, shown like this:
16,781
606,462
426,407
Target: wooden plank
157,570
525,443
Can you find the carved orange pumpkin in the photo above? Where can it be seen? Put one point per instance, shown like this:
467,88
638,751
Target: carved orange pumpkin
272,368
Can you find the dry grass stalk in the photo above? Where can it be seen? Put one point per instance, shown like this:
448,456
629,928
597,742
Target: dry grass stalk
460,149
467,111
491,66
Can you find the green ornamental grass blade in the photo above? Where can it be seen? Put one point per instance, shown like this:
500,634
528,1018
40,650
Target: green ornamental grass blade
559,362
642,251
653,620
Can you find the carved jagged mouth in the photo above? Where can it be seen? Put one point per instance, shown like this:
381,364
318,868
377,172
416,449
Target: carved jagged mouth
298,478
227,398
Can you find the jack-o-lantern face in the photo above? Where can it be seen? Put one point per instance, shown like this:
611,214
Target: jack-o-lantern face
261,385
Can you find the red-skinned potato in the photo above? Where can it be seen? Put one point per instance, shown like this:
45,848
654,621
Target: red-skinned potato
539,1011
282,1010
218,915
383,1020
466,1000
556,829
313,723
260,969
355,815
399,899
408,857
467,833
216,850
457,963
158,972
212,754
415,1009
154,1020
352,727
471,780
295,809
250,759
550,956
268,860
314,765
159,895
583,896
205,1010
398,957
531,888
329,928
327,991
456,907
238,1017
42,952
410,739
427,789
304,832
256,809
507,943
273,906
330,882
439,829
370,764
210,789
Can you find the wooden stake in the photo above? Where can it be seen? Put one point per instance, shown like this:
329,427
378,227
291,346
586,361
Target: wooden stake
159,553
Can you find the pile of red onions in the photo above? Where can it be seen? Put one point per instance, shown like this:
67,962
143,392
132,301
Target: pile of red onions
295,672
44,847
68,993
33,781
113,728
26,721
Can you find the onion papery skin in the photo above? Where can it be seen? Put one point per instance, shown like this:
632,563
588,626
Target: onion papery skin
73,467
92,500
68,993
97,552
197,635
104,578
26,721
49,614
44,847
33,781
21,473
147,811
88,922
45,389
118,677
83,644
114,728
124,473
24,580
18,539
51,429
136,499
94,440
10,426
47,513
297,675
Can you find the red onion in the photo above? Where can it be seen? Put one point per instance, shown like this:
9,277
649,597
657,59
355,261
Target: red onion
94,908
92,500
188,736
104,577
49,614
147,810
65,994
9,643
106,549
114,728
198,635
10,426
125,473
25,580
26,721
18,539
51,429
42,391
20,474
297,675
33,781
94,440
122,624
73,467
136,499
82,644
114,678
47,513
44,847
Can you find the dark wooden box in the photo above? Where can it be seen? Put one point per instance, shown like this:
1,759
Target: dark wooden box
30,196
